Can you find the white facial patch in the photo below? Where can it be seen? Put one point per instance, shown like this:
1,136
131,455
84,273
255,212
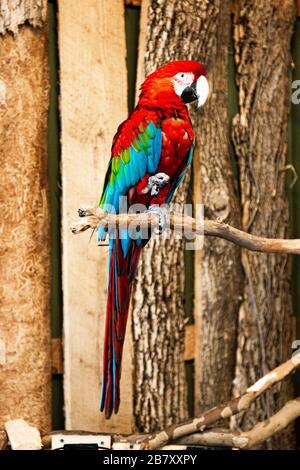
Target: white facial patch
181,80
202,90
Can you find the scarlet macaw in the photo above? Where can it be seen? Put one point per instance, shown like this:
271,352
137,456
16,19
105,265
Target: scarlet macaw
149,158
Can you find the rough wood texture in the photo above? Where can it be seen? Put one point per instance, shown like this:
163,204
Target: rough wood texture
3,439
14,13
262,34
57,356
218,276
25,364
93,103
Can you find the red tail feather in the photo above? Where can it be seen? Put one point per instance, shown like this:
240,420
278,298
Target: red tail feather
121,274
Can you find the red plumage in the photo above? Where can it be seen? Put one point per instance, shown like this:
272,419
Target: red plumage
161,104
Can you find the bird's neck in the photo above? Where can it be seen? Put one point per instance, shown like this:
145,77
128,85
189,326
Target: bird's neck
165,109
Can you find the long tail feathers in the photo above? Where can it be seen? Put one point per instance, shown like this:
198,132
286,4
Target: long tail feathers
121,273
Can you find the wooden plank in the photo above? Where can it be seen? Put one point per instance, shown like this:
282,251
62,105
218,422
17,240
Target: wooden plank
25,244
93,103
22,436
189,343
56,356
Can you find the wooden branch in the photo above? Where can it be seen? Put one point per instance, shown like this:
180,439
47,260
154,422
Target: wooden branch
191,432
226,410
265,429
246,440
213,437
96,217
210,438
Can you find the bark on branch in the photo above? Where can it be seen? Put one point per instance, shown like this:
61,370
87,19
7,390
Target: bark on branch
225,410
265,429
262,431
96,217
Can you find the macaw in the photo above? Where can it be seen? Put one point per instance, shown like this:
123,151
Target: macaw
150,154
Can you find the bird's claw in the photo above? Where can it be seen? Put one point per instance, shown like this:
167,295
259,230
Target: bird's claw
155,183
84,212
163,220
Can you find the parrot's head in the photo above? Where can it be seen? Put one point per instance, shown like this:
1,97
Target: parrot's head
176,83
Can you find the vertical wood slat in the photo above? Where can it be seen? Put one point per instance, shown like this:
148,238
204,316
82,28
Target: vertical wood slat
93,103
25,368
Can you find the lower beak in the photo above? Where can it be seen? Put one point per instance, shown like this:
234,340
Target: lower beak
196,91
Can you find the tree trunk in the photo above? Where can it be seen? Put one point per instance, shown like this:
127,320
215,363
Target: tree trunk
25,245
181,30
218,276
262,33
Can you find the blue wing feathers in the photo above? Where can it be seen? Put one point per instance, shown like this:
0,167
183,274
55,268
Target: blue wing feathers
133,163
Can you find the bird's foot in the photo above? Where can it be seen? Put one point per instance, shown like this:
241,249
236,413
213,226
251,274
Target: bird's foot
155,183
163,220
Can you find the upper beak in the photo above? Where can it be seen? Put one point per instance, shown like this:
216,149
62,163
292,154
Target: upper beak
202,90
196,91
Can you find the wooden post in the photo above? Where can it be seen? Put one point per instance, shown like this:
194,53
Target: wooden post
25,364
93,103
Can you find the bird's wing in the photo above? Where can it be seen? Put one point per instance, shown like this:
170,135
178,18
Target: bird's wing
126,169
181,174
131,164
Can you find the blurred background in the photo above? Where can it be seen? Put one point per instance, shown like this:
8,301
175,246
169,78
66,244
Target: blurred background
205,324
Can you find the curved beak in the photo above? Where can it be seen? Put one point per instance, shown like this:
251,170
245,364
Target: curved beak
196,91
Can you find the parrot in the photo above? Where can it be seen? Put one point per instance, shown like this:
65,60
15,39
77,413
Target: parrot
150,154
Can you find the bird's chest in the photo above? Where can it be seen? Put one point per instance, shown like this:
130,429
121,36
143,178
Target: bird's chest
177,139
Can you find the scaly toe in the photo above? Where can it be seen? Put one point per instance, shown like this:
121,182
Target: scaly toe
163,220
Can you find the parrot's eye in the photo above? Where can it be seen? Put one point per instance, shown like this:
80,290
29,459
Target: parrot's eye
181,80
184,77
